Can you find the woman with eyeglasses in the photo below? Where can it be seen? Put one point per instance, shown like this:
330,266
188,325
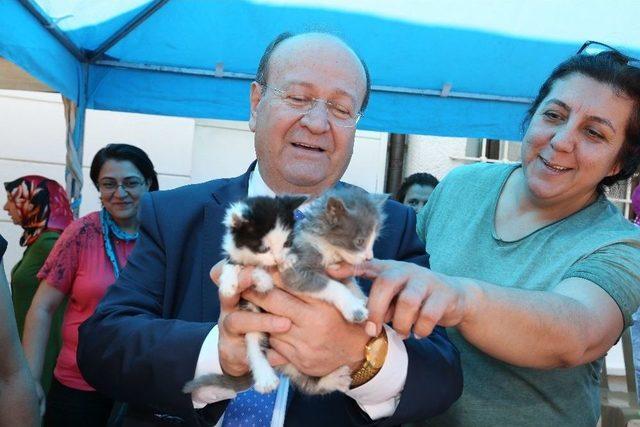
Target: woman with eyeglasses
41,207
85,261
533,270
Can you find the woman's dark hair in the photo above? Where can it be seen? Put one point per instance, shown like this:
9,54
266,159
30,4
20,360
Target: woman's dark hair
421,178
123,152
610,68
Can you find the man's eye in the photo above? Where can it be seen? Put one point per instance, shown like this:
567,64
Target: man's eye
340,111
299,100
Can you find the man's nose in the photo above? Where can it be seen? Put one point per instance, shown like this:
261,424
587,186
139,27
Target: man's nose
317,118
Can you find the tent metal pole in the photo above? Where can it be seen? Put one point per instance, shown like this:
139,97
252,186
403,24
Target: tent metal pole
53,29
395,162
445,92
126,29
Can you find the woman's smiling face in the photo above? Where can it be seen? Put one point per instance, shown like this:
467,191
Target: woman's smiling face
573,140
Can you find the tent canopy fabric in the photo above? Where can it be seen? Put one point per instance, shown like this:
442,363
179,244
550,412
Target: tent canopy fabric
454,68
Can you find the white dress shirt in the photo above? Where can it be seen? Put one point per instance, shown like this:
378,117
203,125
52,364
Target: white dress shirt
378,397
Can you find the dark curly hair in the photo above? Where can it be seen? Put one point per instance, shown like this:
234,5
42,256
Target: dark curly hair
610,68
421,178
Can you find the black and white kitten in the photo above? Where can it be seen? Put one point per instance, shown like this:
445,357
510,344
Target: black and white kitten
259,233
339,226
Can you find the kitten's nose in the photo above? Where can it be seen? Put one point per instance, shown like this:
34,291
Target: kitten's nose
369,255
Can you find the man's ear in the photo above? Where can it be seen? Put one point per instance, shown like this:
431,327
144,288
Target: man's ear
255,96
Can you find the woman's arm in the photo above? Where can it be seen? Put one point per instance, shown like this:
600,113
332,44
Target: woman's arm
37,325
572,324
18,403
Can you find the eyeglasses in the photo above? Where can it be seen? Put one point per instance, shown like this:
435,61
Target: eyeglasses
338,113
130,185
591,48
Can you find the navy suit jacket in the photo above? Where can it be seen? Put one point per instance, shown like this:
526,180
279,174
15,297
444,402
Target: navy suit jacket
142,343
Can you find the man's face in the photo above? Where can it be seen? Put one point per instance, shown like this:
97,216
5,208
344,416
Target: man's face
306,153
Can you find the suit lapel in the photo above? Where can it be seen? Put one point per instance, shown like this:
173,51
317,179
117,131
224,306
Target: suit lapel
229,191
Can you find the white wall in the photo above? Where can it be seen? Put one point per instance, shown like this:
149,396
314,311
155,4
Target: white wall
32,141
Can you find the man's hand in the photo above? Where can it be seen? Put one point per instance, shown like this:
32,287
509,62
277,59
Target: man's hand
234,323
412,297
320,340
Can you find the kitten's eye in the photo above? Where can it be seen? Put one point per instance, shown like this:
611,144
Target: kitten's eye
360,242
263,249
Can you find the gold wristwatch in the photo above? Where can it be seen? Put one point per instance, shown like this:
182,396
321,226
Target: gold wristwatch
375,353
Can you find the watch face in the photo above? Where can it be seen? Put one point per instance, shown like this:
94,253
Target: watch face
377,352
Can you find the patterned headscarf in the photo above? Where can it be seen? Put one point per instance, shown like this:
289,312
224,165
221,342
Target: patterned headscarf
42,203
635,204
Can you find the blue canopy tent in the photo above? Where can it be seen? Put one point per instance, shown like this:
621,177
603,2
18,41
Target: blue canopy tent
454,68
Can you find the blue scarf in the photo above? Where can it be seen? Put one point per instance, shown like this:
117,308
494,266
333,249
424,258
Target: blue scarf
109,228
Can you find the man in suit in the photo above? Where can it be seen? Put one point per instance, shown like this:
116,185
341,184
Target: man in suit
163,320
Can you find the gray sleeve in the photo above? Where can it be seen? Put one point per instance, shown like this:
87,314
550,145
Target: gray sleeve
616,269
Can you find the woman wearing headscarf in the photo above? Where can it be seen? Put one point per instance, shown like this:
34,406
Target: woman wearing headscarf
41,207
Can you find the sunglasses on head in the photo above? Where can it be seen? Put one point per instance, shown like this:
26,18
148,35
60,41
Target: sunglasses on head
591,48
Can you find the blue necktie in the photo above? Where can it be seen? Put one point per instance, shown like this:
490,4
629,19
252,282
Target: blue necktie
250,409
298,215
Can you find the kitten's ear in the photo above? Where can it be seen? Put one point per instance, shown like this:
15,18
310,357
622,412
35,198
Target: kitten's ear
235,216
335,209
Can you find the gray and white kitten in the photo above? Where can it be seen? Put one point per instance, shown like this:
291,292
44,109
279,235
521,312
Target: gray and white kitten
341,225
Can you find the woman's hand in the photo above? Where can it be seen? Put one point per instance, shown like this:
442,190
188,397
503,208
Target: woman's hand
414,298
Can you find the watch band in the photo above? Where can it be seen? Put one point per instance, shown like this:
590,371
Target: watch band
375,354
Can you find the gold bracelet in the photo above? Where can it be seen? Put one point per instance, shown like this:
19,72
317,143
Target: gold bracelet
375,353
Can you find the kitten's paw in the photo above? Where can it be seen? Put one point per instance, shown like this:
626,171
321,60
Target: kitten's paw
266,382
229,280
357,313
262,280
288,262
340,380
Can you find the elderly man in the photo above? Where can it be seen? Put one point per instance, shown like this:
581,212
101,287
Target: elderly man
163,321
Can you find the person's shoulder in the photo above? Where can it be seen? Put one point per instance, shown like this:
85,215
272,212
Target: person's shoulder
477,170
47,239
191,192
610,221
83,225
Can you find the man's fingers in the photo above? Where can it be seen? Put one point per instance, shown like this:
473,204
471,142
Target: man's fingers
275,358
278,302
216,271
240,322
